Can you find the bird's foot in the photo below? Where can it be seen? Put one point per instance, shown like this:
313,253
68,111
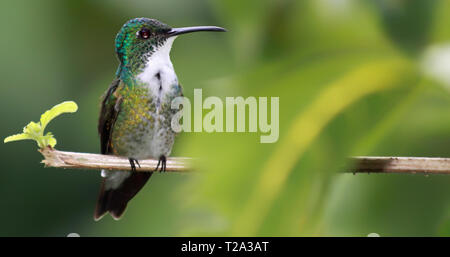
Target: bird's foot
162,161
133,162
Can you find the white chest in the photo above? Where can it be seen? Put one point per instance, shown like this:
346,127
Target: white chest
158,74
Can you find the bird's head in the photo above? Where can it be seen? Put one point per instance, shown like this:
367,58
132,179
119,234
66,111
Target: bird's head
140,38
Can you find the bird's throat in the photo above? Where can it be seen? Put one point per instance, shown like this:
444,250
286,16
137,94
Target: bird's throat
158,74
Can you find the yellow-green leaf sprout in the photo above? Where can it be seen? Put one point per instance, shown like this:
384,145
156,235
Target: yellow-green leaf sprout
35,131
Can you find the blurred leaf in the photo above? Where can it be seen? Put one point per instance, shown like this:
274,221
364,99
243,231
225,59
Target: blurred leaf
441,22
407,22
308,125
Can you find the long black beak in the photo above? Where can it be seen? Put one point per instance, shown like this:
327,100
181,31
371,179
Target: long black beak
179,31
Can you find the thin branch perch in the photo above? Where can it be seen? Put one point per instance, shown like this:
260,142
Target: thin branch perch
89,161
362,164
413,165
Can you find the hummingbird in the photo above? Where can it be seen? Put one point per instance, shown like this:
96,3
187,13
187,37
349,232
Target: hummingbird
135,115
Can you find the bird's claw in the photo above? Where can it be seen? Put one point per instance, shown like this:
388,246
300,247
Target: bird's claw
162,161
133,162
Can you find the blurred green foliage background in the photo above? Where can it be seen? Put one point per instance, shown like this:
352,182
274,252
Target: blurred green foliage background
353,77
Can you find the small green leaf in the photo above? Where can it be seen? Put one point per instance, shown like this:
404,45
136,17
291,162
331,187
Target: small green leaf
17,137
35,130
64,107
49,140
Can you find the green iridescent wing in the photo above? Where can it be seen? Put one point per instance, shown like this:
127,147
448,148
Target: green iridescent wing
108,114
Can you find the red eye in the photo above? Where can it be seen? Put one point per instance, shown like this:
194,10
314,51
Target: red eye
144,33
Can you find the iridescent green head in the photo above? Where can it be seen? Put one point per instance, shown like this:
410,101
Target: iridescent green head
139,38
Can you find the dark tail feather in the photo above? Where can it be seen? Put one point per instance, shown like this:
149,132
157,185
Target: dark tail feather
115,201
